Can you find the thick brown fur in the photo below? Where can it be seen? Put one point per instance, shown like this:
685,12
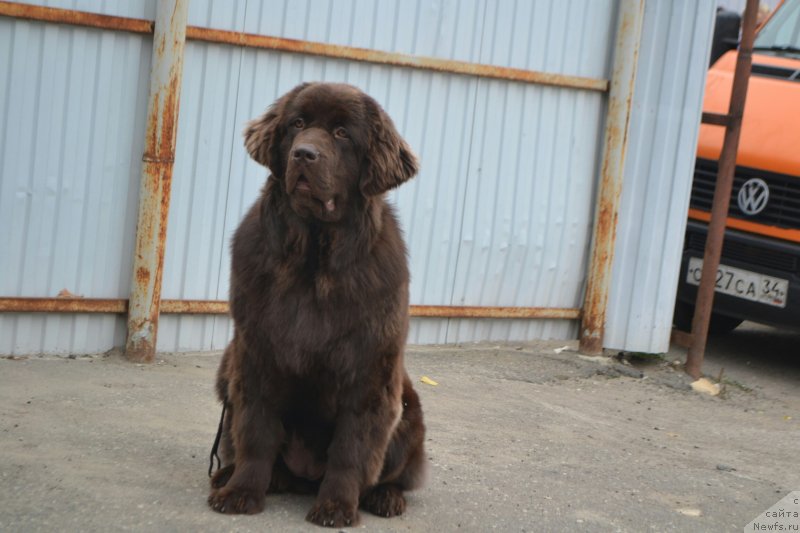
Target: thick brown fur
318,397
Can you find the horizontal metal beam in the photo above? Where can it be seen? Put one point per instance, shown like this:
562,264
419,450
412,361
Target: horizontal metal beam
195,307
63,305
390,58
93,20
220,307
74,18
106,305
449,311
715,119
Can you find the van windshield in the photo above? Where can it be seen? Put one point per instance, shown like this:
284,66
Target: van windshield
781,34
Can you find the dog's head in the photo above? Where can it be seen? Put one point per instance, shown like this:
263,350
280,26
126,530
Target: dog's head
326,143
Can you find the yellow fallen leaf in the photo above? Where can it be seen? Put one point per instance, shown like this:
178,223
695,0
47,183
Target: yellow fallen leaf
787,417
428,381
705,386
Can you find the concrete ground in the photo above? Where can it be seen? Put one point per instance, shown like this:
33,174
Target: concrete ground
520,438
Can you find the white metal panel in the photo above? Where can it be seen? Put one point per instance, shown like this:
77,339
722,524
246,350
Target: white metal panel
560,37
72,115
525,238
525,34
431,207
435,112
437,29
227,15
676,40
532,169
499,215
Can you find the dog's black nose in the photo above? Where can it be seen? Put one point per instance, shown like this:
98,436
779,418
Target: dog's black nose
305,152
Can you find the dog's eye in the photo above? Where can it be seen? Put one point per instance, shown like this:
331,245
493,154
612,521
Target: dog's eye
341,133
299,124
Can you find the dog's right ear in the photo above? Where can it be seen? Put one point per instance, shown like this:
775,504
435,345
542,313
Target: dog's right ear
262,135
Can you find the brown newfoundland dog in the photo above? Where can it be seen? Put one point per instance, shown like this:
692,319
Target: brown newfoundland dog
315,393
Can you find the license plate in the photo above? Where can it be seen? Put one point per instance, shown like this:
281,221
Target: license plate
743,283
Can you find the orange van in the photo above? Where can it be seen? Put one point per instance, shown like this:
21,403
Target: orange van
759,274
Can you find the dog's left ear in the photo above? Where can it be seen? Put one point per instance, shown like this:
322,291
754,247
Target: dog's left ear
389,159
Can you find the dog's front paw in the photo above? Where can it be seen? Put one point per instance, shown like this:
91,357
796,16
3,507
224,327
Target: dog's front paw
221,477
384,500
330,513
237,500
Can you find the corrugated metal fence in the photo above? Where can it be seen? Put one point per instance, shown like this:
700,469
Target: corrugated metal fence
501,214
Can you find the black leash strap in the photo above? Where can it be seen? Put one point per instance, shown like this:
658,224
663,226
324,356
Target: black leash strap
215,447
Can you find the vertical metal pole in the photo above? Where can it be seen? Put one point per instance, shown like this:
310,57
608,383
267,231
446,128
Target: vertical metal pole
722,195
154,190
623,76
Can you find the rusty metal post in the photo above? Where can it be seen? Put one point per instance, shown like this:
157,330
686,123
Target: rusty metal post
166,69
722,195
620,97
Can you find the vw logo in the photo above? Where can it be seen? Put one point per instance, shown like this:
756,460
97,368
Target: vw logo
753,196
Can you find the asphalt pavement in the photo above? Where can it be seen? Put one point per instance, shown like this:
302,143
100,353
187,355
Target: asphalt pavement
521,437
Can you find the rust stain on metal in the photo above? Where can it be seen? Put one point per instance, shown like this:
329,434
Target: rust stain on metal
195,307
63,305
591,341
593,326
160,46
143,275
140,346
162,123
75,18
169,119
151,133
446,311
156,179
611,177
